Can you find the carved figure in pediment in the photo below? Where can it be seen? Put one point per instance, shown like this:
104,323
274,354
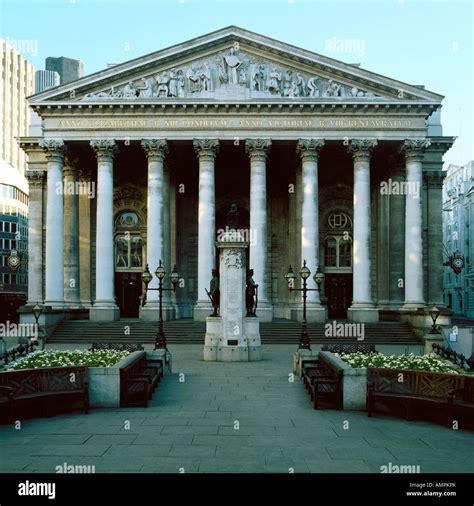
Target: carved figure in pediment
257,78
163,84
243,77
146,90
115,93
313,86
273,83
173,83
206,79
233,63
221,73
180,83
294,90
287,83
194,80
333,89
301,85
129,90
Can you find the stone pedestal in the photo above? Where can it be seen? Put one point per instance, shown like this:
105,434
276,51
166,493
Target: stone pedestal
232,337
429,340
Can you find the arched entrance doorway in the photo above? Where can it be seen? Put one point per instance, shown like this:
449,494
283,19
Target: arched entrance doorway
129,259
336,254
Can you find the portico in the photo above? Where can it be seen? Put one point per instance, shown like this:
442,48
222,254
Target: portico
305,164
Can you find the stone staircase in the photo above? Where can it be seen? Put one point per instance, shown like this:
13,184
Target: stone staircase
189,331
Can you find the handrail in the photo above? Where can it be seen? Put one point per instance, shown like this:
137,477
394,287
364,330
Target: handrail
456,358
22,349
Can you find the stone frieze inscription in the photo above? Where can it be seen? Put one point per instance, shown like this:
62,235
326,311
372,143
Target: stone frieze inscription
317,123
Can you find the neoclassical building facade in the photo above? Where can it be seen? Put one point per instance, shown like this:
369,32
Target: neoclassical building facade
326,162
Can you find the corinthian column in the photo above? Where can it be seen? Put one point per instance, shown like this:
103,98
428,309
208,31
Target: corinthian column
309,150
71,234
258,150
54,295
104,308
362,309
413,150
206,150
35,236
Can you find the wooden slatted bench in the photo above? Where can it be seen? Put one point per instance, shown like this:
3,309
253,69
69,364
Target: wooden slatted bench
138,381
323,382
27,392
461,403
416,392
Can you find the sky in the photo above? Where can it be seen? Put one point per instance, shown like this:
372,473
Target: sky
427,42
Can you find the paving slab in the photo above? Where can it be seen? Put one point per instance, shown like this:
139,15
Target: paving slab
189,427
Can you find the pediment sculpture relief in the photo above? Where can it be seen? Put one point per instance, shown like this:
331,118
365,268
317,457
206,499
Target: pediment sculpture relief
232,75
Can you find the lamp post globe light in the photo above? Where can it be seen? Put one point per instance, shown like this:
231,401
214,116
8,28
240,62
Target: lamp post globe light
305,273
36,309
160,273
434,313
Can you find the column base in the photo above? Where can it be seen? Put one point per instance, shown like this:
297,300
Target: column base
56,304
409,305
265,311
362,314
315,313
73,304
202,310
104,313
151,312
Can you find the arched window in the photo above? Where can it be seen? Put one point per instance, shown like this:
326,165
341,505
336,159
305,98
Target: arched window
128,241
337,252
330,252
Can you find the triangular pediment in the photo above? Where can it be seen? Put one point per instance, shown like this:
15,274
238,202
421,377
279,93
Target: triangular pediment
230,65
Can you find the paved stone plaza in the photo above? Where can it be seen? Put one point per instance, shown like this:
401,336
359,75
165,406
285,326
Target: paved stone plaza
189,427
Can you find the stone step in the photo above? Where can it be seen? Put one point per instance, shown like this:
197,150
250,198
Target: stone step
189,331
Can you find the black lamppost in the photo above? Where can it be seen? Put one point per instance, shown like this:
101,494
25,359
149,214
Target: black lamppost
160,340
434,313
305,273
37,313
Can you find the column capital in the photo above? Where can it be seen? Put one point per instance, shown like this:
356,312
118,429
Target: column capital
105,149
71,165
155,149
413,149
85,174
434,178
361,148
309,149
206,148
258,149
55,149
35,178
